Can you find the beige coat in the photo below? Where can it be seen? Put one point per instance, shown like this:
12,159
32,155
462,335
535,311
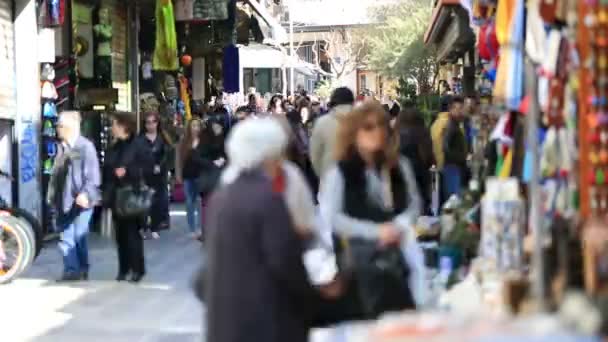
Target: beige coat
323,140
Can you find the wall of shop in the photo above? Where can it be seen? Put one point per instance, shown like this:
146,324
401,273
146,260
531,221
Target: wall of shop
27,105
7,61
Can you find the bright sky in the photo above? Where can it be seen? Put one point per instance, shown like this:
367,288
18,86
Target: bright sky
333,12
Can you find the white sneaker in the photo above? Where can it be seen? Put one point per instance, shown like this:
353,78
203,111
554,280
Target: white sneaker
155,235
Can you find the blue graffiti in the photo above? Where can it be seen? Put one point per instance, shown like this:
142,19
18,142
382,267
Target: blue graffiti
28,156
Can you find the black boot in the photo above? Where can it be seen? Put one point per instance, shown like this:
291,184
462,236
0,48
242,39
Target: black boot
136,277
121,277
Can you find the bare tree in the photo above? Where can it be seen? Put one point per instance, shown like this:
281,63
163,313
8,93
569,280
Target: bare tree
345,48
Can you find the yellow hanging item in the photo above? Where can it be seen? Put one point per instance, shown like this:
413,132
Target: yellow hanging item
507,165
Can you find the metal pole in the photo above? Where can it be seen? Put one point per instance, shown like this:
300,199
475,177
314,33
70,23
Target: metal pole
291,51
534,190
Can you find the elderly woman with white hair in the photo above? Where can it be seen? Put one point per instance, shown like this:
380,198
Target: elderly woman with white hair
255,284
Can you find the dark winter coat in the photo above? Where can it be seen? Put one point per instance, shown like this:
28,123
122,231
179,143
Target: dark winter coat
159,153
127,154
455,145
255,286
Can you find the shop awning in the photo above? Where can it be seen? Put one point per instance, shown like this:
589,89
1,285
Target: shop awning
449,31
279,35
261,56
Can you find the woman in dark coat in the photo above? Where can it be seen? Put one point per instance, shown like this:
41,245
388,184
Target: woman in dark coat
255,284
156,144
124,166
416,144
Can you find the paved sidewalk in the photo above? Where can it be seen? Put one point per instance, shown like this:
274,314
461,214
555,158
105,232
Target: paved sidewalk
160,309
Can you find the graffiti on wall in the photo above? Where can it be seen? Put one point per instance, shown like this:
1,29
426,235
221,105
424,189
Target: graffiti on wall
28,155
29,198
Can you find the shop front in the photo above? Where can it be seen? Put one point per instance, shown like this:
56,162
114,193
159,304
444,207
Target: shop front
450,34
7,101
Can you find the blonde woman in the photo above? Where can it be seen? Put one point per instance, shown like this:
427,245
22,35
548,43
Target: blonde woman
371,194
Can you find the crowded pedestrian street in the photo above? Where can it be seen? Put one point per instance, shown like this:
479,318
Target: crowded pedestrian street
303,171
163,308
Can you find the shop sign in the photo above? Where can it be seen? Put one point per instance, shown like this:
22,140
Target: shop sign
205,10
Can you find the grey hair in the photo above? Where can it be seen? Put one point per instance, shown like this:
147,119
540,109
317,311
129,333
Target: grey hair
251,143
70,119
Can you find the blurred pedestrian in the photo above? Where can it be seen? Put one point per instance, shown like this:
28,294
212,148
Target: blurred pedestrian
157,144
416,144
455,149
124,167
371,195
252,241
323,140
277,105
73,192
188,168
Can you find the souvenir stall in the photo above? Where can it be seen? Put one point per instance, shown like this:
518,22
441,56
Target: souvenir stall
86,70
522,257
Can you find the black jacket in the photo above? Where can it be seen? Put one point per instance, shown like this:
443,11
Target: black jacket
127,154
201,158
455,145
416,144
159,154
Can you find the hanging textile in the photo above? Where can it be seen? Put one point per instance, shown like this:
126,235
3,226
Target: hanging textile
230,69
515,81
510,34
165,50
185,97
55,13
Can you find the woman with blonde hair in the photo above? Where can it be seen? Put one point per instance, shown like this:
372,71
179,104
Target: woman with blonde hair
370,196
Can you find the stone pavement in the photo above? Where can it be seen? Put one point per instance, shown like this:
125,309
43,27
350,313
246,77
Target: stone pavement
160,309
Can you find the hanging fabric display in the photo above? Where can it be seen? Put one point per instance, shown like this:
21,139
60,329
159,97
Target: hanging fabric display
230,69
55,12
165,51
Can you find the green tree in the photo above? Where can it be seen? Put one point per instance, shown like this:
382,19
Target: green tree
396,45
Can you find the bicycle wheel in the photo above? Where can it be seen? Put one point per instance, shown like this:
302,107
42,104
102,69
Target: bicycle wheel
31,237
29,242
13,245
36,226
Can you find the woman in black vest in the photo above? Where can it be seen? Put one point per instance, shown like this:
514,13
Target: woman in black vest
371,194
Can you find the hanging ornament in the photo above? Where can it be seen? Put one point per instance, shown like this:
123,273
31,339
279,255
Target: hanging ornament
186,60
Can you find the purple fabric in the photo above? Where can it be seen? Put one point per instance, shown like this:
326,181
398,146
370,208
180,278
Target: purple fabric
231,69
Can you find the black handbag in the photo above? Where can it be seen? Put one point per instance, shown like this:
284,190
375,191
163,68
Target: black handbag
133,201
377,282
380,276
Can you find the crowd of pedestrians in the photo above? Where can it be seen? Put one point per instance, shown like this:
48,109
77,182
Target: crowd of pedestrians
263,185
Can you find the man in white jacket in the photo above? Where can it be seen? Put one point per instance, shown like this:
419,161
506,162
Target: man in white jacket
325,131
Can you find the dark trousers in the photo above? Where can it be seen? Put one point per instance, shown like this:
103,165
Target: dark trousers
130,246
159,213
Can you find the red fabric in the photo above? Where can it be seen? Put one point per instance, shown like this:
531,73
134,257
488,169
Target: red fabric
279,183
488,43
178,194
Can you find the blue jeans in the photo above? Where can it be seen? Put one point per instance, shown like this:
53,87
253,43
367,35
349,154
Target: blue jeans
452,181
192,203
74,227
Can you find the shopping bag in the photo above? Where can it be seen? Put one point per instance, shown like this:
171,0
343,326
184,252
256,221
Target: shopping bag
177,194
